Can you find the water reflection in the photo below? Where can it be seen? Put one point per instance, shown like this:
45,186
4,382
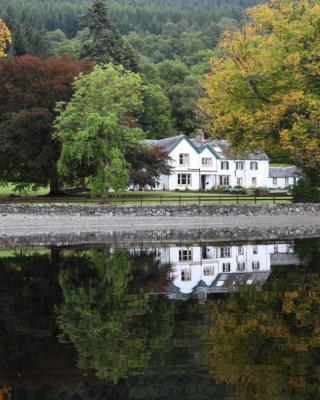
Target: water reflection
117,323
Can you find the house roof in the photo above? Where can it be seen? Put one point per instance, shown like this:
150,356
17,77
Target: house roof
220,148
284,172
167,144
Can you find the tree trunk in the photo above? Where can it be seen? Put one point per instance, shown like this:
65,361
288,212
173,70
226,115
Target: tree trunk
54,188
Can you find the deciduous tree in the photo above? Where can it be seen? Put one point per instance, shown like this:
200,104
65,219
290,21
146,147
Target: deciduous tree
98,125
29,90
5,37
263,91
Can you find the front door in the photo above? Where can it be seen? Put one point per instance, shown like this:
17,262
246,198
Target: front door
203,182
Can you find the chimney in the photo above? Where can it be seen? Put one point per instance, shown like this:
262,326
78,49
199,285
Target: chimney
200,136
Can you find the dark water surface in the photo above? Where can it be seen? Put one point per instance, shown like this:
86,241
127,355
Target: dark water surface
224,321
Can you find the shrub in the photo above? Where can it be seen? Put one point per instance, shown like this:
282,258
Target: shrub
305,192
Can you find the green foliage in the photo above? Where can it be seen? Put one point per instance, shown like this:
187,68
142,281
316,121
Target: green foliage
98,125
306,192
104,43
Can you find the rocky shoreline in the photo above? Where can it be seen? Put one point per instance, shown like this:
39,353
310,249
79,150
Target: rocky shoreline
162,210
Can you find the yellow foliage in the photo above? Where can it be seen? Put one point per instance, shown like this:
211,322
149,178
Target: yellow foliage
5,38
263,89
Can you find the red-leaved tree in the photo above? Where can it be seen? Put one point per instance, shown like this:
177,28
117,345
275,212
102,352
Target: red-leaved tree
29,90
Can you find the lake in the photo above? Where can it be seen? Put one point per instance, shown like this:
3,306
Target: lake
192,321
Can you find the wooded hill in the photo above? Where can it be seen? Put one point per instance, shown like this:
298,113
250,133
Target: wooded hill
128,15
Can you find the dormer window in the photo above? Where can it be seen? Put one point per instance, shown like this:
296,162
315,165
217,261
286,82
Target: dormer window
254,165
184,160
207,162
224,165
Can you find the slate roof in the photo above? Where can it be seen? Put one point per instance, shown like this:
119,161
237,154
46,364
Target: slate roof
284,172
220,147
167,144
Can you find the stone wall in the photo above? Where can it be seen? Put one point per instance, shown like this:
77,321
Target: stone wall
162,210
176,237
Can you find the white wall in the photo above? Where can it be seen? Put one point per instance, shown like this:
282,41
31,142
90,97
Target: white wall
213,258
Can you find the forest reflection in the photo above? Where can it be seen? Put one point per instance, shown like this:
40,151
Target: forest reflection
107,323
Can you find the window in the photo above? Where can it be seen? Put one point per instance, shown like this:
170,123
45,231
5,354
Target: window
254,181
255,250
255,265
224,165
207,162
240,250
186,274
239,165
286,181
225,252
239,181
276,249
241,266
184,160
226,267
185,255
224,180
274,181
253,165
208,271
184,179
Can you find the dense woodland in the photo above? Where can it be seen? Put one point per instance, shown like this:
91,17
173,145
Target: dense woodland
173,40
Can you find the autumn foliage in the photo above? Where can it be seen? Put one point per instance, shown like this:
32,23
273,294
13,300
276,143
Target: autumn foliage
5,37
29,90
263,89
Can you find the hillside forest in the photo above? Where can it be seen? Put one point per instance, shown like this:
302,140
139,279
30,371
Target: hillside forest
172,40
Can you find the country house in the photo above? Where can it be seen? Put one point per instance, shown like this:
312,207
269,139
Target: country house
201,164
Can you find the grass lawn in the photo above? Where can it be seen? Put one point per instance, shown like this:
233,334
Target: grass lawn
146,197
8,190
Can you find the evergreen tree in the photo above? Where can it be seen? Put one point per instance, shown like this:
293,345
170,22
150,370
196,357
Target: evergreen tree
105,44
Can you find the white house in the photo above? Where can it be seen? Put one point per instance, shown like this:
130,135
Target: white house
203,164
214,269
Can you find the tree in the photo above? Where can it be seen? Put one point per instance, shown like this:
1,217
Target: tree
156,117
5,37
29,90
98,125
147,164
105,44
264,89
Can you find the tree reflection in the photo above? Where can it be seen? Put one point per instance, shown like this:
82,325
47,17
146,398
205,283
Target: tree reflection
114,324
265,344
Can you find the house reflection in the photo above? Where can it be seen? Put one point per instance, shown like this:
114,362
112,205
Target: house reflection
204,270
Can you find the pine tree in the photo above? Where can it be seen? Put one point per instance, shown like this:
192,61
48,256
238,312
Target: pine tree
105,44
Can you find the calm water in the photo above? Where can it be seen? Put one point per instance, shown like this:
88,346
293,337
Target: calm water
198,322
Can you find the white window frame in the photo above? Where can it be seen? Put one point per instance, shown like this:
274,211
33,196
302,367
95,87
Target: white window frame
239,165
254,181
241,266
185,254
255,249
274,181
184,160
206,162
225,252
240,251
224,180
254,166
186,275
286,181
255,265
224,165
226,267
208,270
239,181
184,177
